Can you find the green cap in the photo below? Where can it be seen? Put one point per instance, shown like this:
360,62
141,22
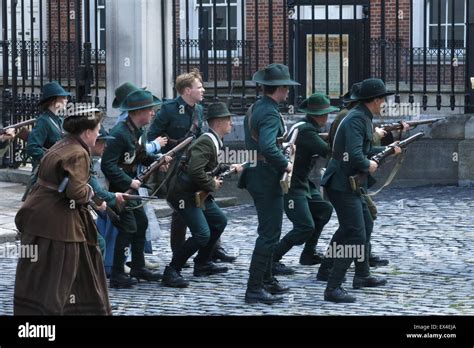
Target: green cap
139,100
121,93
317,104
372,88
217,110
274,75
52,89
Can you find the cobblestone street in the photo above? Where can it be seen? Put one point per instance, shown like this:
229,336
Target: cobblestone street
427,234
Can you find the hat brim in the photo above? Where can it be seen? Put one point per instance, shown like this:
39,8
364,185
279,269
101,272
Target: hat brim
221,116
116,102
258,77
63,94
321,112
155,102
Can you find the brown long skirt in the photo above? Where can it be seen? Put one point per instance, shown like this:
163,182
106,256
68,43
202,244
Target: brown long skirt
66,279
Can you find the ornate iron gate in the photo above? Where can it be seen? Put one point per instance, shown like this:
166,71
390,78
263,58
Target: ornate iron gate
46,40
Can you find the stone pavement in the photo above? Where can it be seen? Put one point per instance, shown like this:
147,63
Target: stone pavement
427,234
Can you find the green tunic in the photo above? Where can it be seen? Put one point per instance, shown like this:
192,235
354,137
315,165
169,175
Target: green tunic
174,120
194,175
352,147
122,154
47,131
308,145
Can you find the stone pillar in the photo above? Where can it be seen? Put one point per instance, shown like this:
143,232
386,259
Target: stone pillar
135,47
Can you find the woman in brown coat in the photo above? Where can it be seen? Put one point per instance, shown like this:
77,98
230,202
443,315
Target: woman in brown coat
67,277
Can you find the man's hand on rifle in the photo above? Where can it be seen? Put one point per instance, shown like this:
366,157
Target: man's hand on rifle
102,207
119,198
162,141
218,182
135,184
166,165
238,168
381,132
289,167
395,146
405,126
373,167
9,135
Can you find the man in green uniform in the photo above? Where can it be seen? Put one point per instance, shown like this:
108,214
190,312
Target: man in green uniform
48,128
304,205
263,124
178,119
352,147
193,175
119,165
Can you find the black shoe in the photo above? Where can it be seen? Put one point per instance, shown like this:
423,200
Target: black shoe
220,254
173,278
273,287
368,282
208,268
261,295
121,281
145,274
280,269
323,277
338,295
308,259
376,261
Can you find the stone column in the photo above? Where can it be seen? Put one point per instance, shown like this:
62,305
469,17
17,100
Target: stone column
135,46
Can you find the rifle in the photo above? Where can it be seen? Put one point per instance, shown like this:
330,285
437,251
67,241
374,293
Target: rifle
201,196
357,180
17,125
145,175
94,203
398,125
289,153
128,197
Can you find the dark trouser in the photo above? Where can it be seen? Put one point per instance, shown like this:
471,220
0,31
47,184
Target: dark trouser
131,231
264,187
355,228
178,232
206,226
308,215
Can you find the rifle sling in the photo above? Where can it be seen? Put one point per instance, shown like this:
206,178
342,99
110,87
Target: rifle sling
391,175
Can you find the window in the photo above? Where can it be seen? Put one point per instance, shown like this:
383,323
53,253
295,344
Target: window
222,19
442,21
101,20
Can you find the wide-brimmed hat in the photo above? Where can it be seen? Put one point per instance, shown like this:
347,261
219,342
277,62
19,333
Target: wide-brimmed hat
317,104
103,135
217,110
372,88
274,75
52,89
138,100
353,95
121,93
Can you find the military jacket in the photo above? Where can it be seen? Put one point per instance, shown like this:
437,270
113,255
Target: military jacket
174,120
122,155
47,131
309,146
352,147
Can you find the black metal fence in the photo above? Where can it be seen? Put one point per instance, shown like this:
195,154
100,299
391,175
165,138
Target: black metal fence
420,48
46,40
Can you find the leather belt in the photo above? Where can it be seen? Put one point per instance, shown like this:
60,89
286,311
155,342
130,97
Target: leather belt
48,184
